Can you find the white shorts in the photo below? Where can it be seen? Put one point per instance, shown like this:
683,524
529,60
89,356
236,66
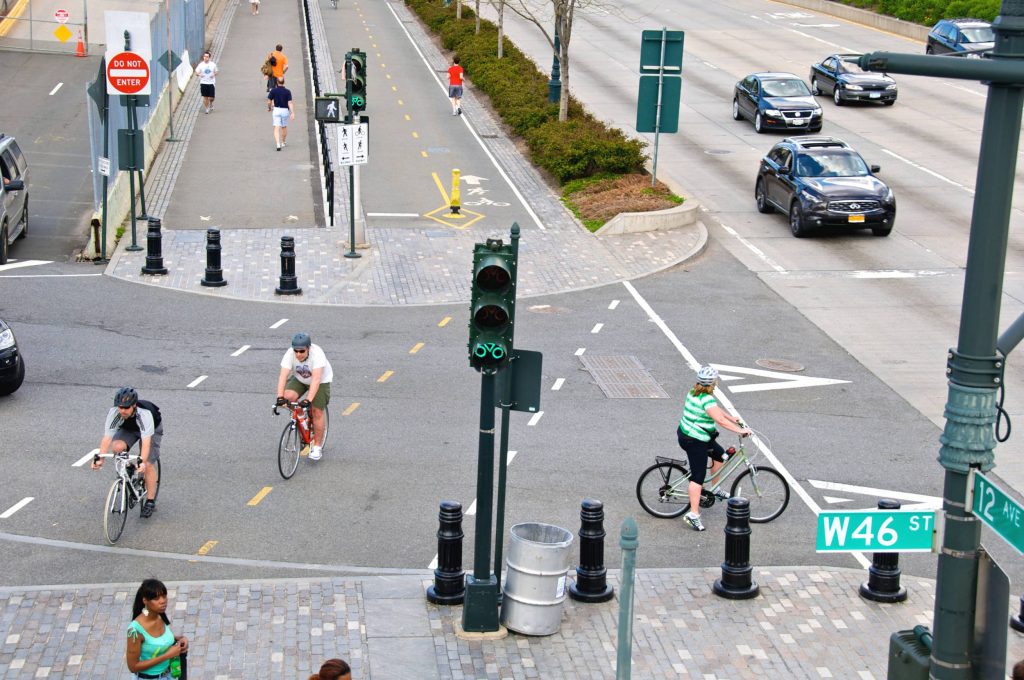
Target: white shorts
280,117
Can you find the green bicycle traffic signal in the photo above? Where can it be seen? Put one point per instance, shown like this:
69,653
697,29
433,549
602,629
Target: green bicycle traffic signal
492,306
355,80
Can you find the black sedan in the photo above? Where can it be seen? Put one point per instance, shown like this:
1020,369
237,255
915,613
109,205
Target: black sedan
776,101
846,82
822,182
12,365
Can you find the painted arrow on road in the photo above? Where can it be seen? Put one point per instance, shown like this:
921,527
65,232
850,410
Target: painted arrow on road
473,179
918,501
784,381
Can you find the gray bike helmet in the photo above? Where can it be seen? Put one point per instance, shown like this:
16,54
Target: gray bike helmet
707,375
125,397
301,341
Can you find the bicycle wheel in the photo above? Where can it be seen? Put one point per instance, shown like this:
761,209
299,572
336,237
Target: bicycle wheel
288,450
115,512
663,490
766,489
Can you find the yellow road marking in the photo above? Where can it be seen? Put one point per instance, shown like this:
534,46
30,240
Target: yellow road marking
351,407
440,187
8,23
255,500
401,103
415,135
408,117
444,322
207,547
416,348
385,376
394,88
387,75
423,153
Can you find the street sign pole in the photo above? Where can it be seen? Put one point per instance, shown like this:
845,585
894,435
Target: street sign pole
975,368
657,115
351,254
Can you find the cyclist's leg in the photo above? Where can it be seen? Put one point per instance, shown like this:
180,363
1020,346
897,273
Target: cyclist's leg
293,388
123,441
323,397
717,455
697,454
154,455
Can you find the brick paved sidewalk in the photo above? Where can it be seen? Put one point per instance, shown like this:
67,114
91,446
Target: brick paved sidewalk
807,623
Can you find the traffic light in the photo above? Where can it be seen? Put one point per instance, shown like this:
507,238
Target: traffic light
355,80
492,307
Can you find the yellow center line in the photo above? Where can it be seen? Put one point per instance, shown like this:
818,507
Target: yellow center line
423,153
416,348
255,500
385,376
394,88
408,117
351,407
415,135
401,103
444,322
207,547
387,75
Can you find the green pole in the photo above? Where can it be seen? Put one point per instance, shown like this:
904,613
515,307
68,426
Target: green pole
624,653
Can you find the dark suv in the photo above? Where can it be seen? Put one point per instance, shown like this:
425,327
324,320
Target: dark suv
961,37
822,182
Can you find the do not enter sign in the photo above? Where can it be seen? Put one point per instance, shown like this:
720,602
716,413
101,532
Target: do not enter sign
127,73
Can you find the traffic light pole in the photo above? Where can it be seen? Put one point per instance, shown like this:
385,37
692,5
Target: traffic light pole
352,254
975,368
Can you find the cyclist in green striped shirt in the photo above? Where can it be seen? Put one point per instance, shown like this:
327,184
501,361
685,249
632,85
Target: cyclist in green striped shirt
698,429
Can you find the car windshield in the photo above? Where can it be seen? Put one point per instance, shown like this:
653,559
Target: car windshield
837,163
792,87
977,34
849,67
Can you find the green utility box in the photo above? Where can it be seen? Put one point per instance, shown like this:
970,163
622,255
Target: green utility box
909,651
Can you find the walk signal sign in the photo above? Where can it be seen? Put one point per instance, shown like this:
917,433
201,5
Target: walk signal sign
355,80
492,306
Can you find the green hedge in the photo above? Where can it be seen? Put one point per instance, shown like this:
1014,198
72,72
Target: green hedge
580,147
928,12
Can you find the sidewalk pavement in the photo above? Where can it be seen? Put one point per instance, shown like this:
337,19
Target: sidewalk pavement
806,623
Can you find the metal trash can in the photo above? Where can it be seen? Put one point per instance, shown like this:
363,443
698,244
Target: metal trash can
538,560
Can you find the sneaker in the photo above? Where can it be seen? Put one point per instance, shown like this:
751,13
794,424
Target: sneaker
148,507
284,144
722,495
316,453
455,113
459,111
206,110
278,147
694,521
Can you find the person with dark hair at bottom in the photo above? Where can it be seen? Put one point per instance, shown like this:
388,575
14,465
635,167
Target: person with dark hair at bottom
152,648
1018,670
333,669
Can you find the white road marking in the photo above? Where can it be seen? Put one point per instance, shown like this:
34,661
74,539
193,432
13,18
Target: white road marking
85,459
933,501
930,172
834,499
23,263
511,455
54,90
49,276
279,323
433,563
784,381
754,249
727,404
472,509
17,506
369,214
558,385
580,351
597,328
614,304
964,89
535,419
240,350
197,381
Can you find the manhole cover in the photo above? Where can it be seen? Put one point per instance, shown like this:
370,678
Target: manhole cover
622,377
717,152
779,365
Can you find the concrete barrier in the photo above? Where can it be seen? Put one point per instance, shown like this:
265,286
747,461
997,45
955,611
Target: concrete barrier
657,220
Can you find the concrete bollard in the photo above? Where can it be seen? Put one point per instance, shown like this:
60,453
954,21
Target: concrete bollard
289,284
628,542
214,277
449,578
884,573
736,582
591,576
154,249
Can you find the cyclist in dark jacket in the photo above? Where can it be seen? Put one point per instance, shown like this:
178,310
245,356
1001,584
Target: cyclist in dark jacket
129,421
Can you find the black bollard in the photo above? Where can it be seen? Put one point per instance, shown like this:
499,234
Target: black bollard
1017,620
154,249
289,282
736,582
884,573
591,576
449,579
214,274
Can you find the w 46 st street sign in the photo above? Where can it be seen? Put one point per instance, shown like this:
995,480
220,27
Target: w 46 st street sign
878,531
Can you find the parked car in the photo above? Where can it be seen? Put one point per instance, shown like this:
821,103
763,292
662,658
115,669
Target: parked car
776,101
12,365
961,37
822,182
14,195
846,81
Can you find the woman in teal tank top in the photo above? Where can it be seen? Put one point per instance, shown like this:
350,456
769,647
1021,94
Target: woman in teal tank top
153,650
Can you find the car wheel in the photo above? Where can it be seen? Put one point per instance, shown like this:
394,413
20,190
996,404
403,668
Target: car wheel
815,90
929,50
758,123
761,198
24,222
9,387
836,96
736,115
796,220
890,102
3,245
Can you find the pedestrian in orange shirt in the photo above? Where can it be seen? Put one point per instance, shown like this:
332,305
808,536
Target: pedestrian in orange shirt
455,73
278,67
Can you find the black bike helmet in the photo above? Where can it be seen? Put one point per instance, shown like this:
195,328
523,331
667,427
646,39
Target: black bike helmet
125,397
301,341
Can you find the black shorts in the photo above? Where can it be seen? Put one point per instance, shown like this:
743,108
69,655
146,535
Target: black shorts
697,453
207,90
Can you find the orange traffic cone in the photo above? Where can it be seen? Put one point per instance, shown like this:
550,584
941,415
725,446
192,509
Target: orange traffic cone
80,48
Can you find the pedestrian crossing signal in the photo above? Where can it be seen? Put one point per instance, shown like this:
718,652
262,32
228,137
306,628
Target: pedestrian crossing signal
328,109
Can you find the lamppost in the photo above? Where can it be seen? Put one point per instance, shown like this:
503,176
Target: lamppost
555,84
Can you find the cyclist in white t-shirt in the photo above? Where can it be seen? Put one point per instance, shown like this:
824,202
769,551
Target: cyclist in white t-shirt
306,370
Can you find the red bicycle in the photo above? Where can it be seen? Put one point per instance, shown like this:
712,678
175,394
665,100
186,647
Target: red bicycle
297,437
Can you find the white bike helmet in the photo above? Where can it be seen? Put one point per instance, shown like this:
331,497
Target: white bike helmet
707,375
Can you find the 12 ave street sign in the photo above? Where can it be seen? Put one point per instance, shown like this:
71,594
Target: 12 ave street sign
877,531
994,507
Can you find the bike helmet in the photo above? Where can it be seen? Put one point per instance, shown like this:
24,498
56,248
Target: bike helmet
125,397
301,341
707,375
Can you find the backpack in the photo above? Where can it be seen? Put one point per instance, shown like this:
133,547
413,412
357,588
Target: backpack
267,68
152,408
272,60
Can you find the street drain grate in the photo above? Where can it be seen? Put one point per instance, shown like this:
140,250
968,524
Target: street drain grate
780,365
623,377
